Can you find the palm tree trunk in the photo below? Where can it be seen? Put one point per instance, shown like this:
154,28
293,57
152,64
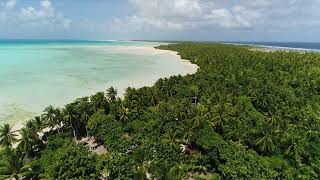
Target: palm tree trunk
74,132
87,130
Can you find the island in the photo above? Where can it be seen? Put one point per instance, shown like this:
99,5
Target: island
245,114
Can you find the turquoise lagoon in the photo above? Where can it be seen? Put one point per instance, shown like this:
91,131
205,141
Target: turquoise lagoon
38,73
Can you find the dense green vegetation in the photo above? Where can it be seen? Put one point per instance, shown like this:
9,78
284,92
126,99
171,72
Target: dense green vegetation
244,115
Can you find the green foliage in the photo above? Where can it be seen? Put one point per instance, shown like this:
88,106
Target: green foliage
110,130
112,93
62,158
244,115
119,166
2,156
14,165
28,140
7,136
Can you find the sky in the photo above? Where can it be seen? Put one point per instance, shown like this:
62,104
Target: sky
195,20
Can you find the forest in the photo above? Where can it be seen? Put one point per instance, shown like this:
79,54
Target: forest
245,114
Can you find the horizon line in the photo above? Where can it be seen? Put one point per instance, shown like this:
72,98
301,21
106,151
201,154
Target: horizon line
155,40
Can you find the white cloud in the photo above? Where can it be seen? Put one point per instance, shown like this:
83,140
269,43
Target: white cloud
43,15
10,4
168,8
138,23
241,14
181,15
31,14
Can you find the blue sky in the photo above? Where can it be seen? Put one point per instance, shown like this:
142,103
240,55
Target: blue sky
206,20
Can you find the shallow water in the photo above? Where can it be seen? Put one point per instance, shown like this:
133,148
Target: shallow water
35,75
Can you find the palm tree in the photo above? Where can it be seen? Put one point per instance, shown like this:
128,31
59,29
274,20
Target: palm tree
84,111
294,144
27,141
69,117
273,119
35,125
201,114
187,131
112,93
171,138
160,170
84,119
99,101
7,136
219,117
142,171
50,116
236,130
124,114
58,118
14,167
265,142
32,131
31,125
163,171
38,121
195,91
310,129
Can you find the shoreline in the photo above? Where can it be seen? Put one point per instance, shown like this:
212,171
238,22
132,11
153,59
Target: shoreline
282,49
187,65
270,48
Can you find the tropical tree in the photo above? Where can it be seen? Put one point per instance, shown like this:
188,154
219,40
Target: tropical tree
245,114
58,119
112,93
142,171
124,114
273,119
236,130
53,117
163,171
39,123
99,101
220,117
84,118
7,136
30,125
187,131
195,91
28,139
49,115
265,141
171,138
69,117
294,144
14,166
202,112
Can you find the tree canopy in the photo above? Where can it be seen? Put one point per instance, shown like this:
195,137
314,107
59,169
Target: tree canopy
244,115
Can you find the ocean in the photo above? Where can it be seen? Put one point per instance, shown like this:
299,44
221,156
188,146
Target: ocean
38,73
